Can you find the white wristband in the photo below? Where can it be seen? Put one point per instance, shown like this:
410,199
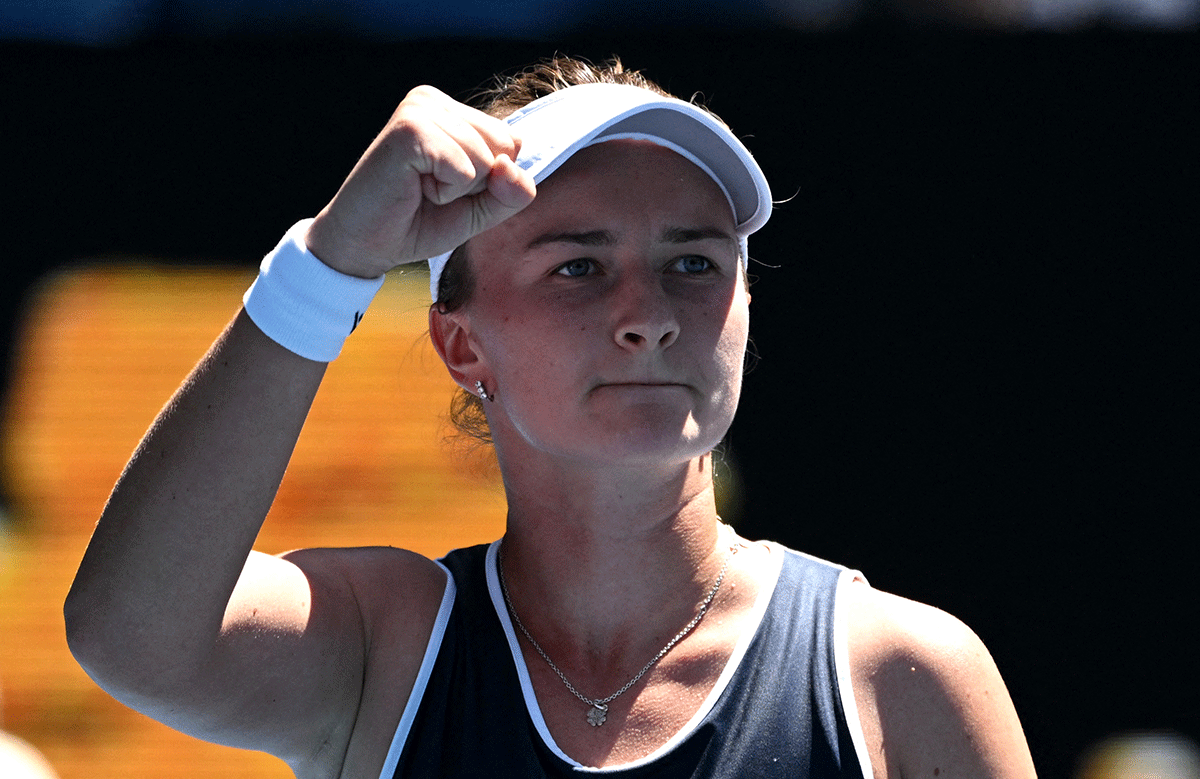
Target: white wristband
303,304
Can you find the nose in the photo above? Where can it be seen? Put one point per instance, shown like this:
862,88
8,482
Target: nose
647,318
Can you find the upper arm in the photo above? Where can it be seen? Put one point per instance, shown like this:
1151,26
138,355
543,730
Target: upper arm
286,673
930,696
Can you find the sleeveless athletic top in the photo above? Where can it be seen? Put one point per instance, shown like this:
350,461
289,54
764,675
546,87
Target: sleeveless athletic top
781,708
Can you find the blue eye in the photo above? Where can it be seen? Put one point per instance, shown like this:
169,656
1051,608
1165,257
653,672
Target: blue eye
693,264
575,268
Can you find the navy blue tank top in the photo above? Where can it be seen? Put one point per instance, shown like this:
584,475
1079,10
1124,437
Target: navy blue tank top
779,710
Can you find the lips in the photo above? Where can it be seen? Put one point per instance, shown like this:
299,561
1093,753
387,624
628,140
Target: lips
641,385
639,381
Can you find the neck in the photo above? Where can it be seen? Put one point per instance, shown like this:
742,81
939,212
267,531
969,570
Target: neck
603,571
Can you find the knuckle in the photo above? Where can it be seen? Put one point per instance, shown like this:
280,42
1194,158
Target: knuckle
400,146
423,92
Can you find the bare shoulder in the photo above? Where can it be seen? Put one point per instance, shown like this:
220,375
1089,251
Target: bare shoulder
931,700
311,640
396,595
382,580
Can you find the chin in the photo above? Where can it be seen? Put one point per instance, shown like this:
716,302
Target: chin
645,436
649,445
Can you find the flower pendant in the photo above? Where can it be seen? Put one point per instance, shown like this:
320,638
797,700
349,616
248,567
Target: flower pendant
597,714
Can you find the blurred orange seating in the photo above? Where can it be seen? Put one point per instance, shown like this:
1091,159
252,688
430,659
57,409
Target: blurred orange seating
103,347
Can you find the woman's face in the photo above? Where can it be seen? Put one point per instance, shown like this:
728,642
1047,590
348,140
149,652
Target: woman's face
609,319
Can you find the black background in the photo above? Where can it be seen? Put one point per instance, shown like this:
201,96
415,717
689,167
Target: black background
975,315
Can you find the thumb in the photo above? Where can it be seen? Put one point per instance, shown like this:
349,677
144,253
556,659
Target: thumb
509,190
506,191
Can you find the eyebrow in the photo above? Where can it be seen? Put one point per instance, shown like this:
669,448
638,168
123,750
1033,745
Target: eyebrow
690,234
588,238
606,238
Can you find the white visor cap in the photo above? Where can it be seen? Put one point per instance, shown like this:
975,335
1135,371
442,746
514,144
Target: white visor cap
554,127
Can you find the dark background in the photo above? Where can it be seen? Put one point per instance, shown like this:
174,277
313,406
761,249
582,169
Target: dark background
976,312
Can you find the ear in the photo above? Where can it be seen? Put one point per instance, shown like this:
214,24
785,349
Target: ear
450,334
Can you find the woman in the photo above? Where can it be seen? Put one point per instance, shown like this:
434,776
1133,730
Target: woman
591,297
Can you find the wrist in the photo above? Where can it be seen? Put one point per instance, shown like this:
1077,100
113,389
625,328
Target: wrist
321,238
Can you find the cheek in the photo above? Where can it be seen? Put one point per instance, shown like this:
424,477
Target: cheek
726,346
732,366
732,323
524,358
731,348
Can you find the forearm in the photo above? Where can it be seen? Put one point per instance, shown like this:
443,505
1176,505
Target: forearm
181,521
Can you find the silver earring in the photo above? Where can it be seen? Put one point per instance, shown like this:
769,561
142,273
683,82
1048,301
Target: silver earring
482,392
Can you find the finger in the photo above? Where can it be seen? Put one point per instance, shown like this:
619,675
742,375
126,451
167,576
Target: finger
480,137
496,134
462,121
510,186
509,190
459,157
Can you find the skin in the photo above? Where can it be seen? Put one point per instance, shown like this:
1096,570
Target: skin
609,322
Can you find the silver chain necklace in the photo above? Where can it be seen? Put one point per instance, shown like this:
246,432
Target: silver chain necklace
598,708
